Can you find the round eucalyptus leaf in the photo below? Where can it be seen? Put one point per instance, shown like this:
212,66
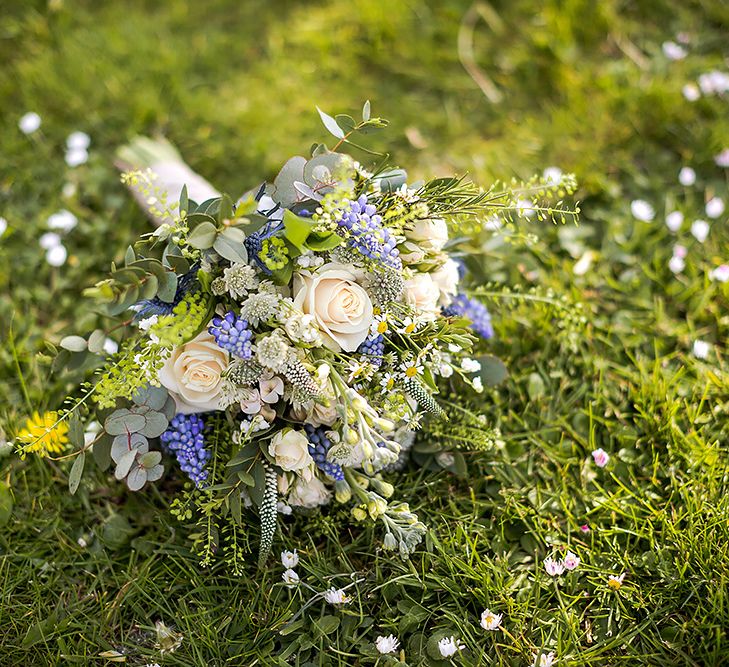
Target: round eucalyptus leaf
156,424
151,396
154,473
125,464
125,443
73,343
96,341
150,459
123,421
136,478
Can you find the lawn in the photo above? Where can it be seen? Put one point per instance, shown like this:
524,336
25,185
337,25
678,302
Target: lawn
599,332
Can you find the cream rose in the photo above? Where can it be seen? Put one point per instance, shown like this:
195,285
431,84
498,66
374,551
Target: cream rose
342,309
430,234
311,493
192,374
422,293
290,449
446,280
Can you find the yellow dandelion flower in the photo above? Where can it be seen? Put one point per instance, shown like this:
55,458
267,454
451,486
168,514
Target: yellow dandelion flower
41,437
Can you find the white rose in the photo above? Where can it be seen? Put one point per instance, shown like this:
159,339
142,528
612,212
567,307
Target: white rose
290,449
446,280
311,493
342,309
192,374
422,293
430,234
411,253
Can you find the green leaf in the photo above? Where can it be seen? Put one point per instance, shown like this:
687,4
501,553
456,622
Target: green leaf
6,504
297,229
366,111
331,124
493,370
283,276
129,256
77,469
246,478
75,431
235,507
101,451
122,421
96,341
73,343
229,245
150,459
156,423
323,242
347,123
116,531
203,236
184,202
257,491
225,212
153,397
327,624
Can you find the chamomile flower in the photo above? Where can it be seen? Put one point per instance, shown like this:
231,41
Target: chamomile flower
642,210
289,559
387,644
449,646
544,660
291,579
411,368
336,596
614,582
409,325
490,621
387,382
379,324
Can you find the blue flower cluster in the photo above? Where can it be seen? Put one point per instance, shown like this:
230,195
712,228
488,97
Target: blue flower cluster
231,333
156,306
368,235
254,242
475,311
373,346
185,440
318,447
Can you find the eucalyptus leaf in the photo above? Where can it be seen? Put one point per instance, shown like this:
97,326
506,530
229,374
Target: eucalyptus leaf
203,236
167,287
493,370
123,421
75,431
73,343
125,463
331,124
136,478
150,459
366,111
96,341
229,244
155,473
126,443
153,397
77,470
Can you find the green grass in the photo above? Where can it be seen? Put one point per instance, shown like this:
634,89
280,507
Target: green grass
234,85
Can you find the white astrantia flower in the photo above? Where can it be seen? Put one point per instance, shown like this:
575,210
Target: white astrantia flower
449,646
691,92
62,220
336,596
571,561
49,240
387,644
674,220
714,207
272,351
601,457
544,660
701,349
642,210
29,122
291,579
289,559
676,264
553,567
722,159
240,279
490,621
700,230
75,157
686,176
720,273
57,255
673,51
552,175
78,140
260,307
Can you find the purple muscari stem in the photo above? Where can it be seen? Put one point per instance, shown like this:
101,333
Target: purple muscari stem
475,311
185,440
231,333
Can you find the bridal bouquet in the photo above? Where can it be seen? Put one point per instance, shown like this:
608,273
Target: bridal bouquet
281,350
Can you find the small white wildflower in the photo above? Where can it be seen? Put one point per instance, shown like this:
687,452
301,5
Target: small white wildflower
29,122
3,225
260,307
289,559
283,508
714,207
477,384
691,92
544,660
700,230
302,328
525,208
49,240
673,51
674,220
445,370
146,323
291,579
553,567
78,140
601,457
722,159
701,349
387,644
110,346
336,596
63,221
616,582
571,561
449,646
642,210
720,273
552,175
470,365
676,264
68,190
75,157
493,223
714,82
452,347
686,176
490,621
57,255
82,542
240,279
